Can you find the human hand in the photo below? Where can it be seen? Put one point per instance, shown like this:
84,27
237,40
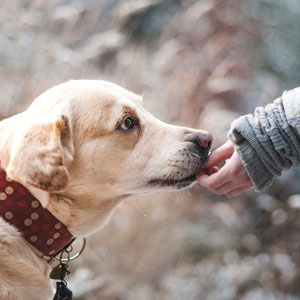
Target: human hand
232,179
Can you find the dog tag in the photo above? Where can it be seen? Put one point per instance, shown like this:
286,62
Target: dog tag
62,292
59,272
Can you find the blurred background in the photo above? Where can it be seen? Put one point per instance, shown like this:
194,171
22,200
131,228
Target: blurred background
197,63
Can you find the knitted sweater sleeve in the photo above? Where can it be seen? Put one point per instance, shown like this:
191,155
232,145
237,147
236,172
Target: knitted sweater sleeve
268,141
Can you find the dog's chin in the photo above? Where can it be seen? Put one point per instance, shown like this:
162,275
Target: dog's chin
180,183
177,184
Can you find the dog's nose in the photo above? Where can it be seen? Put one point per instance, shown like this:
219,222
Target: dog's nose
204,139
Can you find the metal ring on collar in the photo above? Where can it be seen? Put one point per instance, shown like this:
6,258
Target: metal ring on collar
74,256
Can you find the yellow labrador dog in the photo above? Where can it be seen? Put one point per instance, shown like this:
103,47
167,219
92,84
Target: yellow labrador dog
79,149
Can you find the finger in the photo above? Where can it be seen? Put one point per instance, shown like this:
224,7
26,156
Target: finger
231,186
238,191
211,171
220,154
214,181
201,173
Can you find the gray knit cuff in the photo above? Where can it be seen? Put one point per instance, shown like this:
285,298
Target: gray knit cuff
266,143
260,176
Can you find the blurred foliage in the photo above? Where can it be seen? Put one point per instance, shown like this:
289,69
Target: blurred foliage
148,22
280,46
198,63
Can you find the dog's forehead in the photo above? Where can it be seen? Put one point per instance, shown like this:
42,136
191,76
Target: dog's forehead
88,90
96,107
86,101
102,93
118,90
113,103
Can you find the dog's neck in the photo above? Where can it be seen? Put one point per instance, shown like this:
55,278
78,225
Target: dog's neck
80,220
36,224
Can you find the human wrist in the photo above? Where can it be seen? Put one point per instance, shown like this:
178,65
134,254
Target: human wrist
258,173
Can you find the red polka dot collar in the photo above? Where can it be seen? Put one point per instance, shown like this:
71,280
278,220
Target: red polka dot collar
37,225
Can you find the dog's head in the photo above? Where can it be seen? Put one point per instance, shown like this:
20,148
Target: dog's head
94,137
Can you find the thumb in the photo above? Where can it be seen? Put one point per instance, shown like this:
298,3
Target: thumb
220,154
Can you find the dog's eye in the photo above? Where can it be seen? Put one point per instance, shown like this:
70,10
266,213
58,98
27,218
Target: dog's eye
128,124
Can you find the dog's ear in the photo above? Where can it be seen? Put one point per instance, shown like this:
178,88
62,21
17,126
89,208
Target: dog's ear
40,155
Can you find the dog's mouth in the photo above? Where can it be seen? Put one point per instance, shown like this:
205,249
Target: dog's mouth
185,180
172,182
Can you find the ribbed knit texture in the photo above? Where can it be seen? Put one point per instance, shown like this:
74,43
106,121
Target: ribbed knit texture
266,143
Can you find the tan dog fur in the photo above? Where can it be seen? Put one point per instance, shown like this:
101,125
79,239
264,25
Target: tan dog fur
70,149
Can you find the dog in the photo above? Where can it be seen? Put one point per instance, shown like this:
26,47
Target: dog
80,149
